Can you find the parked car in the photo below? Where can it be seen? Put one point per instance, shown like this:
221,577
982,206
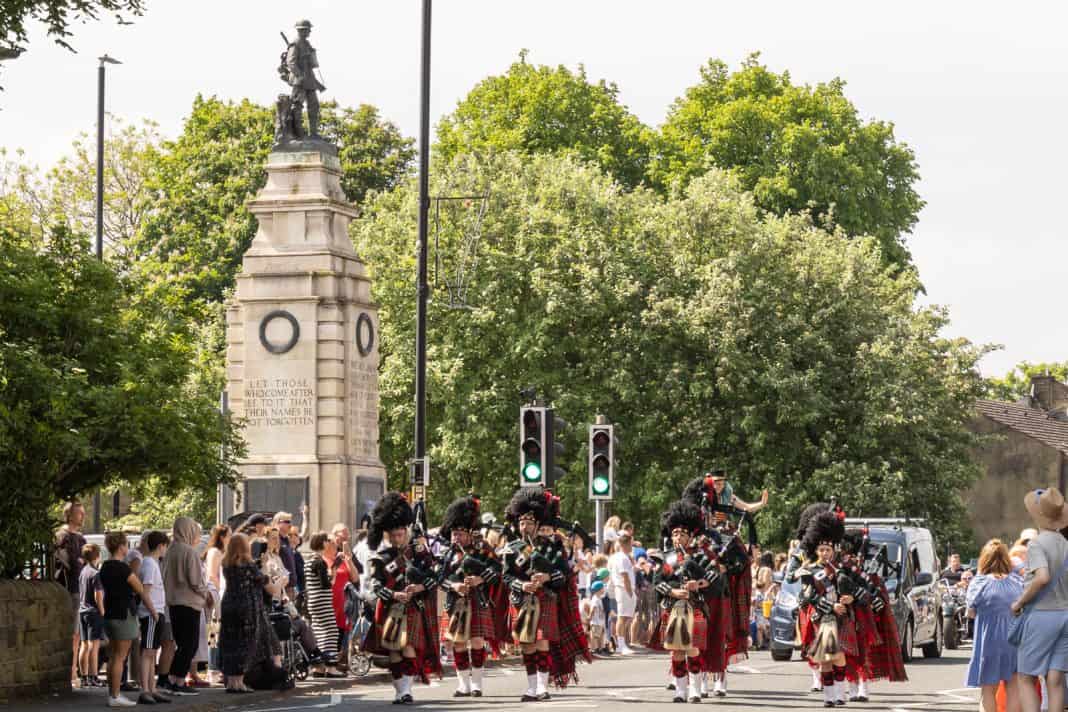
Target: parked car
914,595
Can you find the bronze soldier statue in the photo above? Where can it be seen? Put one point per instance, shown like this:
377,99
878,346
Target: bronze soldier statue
298,70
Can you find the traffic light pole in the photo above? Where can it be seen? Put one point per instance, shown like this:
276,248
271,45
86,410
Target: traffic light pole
599,519
422,287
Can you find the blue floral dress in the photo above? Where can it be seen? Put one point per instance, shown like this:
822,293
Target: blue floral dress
993,659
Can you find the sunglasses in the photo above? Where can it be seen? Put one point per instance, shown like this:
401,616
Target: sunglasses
285,521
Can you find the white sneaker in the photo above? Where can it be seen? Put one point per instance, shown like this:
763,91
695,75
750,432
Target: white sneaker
121,701
626,650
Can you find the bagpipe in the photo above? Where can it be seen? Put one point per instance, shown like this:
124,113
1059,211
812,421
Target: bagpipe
695,566
473,561
405,570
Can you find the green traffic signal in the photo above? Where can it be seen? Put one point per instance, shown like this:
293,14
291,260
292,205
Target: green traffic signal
600,484
532,472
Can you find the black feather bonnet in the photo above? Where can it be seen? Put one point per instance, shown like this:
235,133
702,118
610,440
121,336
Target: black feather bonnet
463,513
823,528
534,501
682,514
391,512
806,516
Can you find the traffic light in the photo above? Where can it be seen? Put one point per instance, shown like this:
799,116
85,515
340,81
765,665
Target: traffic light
602,462
554,449
538,446
532,446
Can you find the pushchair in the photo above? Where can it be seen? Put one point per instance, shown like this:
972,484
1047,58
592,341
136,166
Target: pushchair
357,614
295,659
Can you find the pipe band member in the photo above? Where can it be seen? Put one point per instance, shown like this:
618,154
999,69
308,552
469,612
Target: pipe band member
472,581
825,618
403,580
542,587
684,585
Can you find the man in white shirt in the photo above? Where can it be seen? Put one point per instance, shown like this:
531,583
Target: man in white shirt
621,568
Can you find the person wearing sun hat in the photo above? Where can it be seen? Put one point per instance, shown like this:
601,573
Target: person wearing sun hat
1043,649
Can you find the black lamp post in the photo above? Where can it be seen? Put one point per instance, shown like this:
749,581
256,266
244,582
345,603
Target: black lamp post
100,154
422,287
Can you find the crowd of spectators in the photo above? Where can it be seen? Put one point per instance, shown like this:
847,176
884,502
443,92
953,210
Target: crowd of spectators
177,602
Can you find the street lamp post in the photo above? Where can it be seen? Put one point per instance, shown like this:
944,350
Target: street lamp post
100,205
422,287
100,154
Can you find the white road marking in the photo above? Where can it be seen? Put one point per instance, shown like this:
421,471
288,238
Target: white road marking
743,669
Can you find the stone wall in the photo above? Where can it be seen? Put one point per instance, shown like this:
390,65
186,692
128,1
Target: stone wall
36,626
1013,463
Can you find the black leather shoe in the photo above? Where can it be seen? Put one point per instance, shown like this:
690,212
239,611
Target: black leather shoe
544,696
407,700
528,698
461,694
476,693
679,701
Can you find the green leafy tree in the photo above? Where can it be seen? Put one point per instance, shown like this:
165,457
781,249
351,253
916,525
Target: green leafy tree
58,16
1016,384
708,331
97,385
541,109
800,149
66,194
198,227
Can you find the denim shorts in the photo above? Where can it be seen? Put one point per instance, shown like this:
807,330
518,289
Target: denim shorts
1044,644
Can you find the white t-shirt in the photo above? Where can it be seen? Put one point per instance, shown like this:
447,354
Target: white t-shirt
620,566
150,575
594,609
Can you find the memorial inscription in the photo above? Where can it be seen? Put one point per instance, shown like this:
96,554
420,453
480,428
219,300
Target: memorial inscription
279,402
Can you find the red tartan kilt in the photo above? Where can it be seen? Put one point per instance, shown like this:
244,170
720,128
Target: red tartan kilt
847,636
699,635
414,623
482,622
700,629
548,619
714,657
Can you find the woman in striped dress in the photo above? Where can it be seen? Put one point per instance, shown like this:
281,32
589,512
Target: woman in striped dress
319,582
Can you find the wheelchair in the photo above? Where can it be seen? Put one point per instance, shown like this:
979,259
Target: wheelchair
295,660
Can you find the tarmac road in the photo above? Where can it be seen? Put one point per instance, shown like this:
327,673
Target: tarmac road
934,686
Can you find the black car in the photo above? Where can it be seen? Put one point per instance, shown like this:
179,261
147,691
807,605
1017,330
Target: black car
914,597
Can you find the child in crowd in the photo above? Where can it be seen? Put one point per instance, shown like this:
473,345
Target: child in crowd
593,616
91,617
154,629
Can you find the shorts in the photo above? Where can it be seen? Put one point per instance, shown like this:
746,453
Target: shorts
125,629
155,632
609,606
1044,644
626,605
92,625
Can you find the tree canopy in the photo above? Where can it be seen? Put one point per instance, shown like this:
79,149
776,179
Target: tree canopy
540,109
58,16
797,148
97,383
708,331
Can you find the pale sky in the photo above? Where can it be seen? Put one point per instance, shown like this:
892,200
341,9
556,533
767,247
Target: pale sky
979,90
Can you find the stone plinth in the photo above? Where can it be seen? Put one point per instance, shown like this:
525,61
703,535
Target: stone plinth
302,350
